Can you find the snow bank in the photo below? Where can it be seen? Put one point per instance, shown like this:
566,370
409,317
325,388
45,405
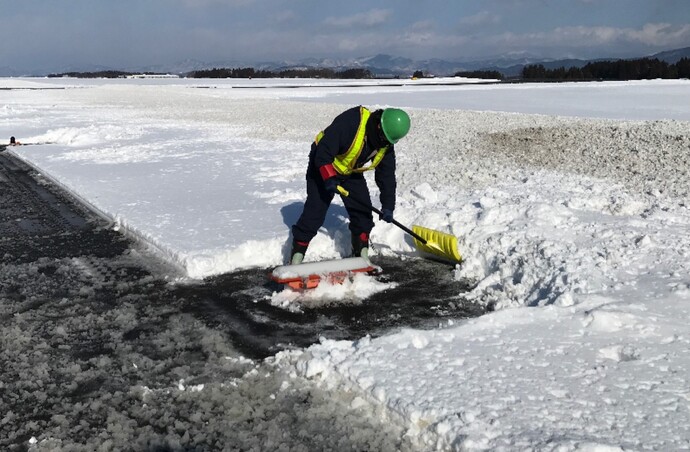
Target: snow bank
606,373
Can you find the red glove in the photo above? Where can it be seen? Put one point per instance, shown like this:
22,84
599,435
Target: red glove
327,171
328,174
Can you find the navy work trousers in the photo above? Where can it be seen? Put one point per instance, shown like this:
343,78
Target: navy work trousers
319,199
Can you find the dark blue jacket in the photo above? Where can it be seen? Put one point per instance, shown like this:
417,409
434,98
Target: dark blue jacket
338,138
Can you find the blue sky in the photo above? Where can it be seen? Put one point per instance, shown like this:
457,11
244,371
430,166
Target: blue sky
52,34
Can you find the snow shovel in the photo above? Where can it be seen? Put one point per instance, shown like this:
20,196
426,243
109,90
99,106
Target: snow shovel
427,240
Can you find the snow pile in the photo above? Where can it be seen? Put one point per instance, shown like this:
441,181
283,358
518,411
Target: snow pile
605,372
353,290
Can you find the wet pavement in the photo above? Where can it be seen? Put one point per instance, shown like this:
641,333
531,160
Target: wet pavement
239,302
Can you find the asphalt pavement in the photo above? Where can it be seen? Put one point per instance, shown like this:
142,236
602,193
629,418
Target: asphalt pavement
44,228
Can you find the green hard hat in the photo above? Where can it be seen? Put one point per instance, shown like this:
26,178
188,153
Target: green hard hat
395,124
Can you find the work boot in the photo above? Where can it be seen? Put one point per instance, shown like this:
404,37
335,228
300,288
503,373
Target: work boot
299,249
360,245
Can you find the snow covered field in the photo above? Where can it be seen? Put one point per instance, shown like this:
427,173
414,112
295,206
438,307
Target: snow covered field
570,202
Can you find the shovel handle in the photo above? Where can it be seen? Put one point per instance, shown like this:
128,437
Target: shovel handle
346,194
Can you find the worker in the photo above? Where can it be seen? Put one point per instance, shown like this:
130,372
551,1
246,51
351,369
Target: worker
357,140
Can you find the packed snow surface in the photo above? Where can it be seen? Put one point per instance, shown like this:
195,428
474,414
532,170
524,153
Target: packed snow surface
570,202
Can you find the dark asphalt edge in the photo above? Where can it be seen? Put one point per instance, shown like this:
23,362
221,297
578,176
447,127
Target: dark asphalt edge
158,250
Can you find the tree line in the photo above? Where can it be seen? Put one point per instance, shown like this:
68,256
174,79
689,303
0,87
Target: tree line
480,74
96,74
248,72
639,69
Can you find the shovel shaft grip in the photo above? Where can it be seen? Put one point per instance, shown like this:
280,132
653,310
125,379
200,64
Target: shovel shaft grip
346,193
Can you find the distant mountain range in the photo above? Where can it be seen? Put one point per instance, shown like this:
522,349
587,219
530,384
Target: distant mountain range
509,65
381,65
390,66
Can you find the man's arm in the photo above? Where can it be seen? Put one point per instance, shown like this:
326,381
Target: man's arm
385,179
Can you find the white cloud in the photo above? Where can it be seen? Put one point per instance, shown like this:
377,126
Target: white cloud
350,44
656,35
423,25
481,18
368,19
427,42
663,34
584,40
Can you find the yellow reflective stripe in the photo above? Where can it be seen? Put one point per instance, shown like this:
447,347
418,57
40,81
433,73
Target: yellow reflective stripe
374,163
379,156
344,163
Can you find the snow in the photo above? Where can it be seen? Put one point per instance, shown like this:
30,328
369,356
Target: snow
570,202
315,268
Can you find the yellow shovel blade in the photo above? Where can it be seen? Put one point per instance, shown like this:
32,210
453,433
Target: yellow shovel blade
437,243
